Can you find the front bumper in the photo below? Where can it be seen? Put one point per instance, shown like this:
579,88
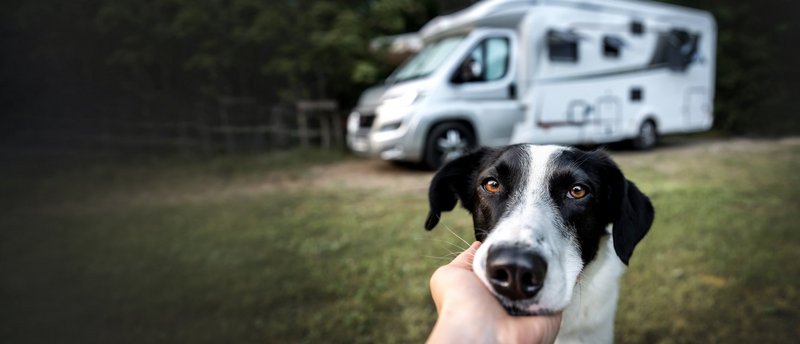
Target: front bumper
385,144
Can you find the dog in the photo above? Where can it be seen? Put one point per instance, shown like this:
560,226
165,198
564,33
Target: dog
558,227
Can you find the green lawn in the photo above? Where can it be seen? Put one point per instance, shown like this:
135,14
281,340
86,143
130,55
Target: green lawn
273,249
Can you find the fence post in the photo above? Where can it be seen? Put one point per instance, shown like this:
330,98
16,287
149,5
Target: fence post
337,128
302,126
225,125
327,120
325,132
201,127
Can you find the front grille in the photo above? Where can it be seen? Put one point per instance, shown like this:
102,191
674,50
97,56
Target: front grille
365,121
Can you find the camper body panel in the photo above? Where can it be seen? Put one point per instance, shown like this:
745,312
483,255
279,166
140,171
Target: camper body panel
604,92
574,72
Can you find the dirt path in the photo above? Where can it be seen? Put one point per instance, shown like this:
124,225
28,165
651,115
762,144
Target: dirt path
372,174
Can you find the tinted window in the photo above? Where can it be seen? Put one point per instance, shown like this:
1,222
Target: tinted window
427,60
488,61
676,49
612,46
562,46
637,28
496,58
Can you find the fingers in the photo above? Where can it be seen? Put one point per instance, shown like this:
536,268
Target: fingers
452,274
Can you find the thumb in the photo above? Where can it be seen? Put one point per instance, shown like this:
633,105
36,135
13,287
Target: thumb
464,260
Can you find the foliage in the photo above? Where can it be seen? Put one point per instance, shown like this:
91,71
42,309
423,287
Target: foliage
78,54
279,50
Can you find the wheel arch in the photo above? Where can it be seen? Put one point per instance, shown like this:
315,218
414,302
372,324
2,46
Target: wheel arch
460,121
638,141
456,119
650,117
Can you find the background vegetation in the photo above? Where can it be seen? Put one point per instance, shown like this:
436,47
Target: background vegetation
64,61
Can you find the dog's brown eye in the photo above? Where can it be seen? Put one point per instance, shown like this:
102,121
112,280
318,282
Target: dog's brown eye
577,192
491,185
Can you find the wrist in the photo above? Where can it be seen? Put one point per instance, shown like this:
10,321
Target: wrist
459,325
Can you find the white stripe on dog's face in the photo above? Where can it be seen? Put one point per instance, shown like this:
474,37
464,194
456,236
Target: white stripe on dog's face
532,221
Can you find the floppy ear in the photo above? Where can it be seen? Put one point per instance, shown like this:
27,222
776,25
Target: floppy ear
451,183
633,219
629,209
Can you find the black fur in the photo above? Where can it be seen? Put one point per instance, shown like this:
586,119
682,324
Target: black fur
461,179
451,183
586,218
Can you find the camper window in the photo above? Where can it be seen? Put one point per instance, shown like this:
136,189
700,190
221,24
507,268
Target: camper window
637,28
676,49
496,58
612,46
427,60
562,46
488,61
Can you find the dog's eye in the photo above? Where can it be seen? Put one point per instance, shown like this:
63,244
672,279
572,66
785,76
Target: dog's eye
491,185
577,192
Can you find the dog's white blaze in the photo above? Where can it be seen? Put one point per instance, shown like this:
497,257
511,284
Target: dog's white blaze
533,222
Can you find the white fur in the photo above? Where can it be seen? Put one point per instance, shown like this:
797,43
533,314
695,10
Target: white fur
589,318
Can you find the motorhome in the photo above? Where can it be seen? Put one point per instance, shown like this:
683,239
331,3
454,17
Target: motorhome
543,71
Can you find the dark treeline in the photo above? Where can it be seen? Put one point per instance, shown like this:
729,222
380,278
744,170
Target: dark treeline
65,61
70,65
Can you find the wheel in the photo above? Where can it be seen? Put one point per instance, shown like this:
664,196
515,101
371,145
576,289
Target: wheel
446,142
647,137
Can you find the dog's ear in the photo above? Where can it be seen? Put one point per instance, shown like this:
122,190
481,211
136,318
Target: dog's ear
630,210
451,183
633,220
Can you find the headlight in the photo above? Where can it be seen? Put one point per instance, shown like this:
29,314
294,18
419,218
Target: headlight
391,126
352,122
402,100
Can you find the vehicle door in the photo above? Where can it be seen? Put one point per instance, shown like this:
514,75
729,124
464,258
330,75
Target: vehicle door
484,83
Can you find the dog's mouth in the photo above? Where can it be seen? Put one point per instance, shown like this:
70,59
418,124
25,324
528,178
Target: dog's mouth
515,310
522,308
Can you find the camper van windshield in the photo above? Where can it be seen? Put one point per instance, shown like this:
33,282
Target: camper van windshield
427,60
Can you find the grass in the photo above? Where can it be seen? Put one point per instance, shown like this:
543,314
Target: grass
238,250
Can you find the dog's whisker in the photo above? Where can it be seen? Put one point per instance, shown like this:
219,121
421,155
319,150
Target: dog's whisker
451,255
481,230
445,258
454,233
450,243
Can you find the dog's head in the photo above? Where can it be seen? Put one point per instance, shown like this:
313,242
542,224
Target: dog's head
541,212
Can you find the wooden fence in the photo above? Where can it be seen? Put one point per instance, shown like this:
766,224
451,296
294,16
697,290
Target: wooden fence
229,125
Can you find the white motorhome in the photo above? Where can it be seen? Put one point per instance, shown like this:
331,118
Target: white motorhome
543,71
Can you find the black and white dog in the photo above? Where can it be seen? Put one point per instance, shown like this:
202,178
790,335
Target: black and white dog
558,227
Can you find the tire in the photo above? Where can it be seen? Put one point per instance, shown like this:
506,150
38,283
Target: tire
448,141
647,138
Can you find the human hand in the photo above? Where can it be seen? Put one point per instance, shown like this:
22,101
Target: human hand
469,313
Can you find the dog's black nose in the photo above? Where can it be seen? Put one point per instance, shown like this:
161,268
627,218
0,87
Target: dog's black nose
514,272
